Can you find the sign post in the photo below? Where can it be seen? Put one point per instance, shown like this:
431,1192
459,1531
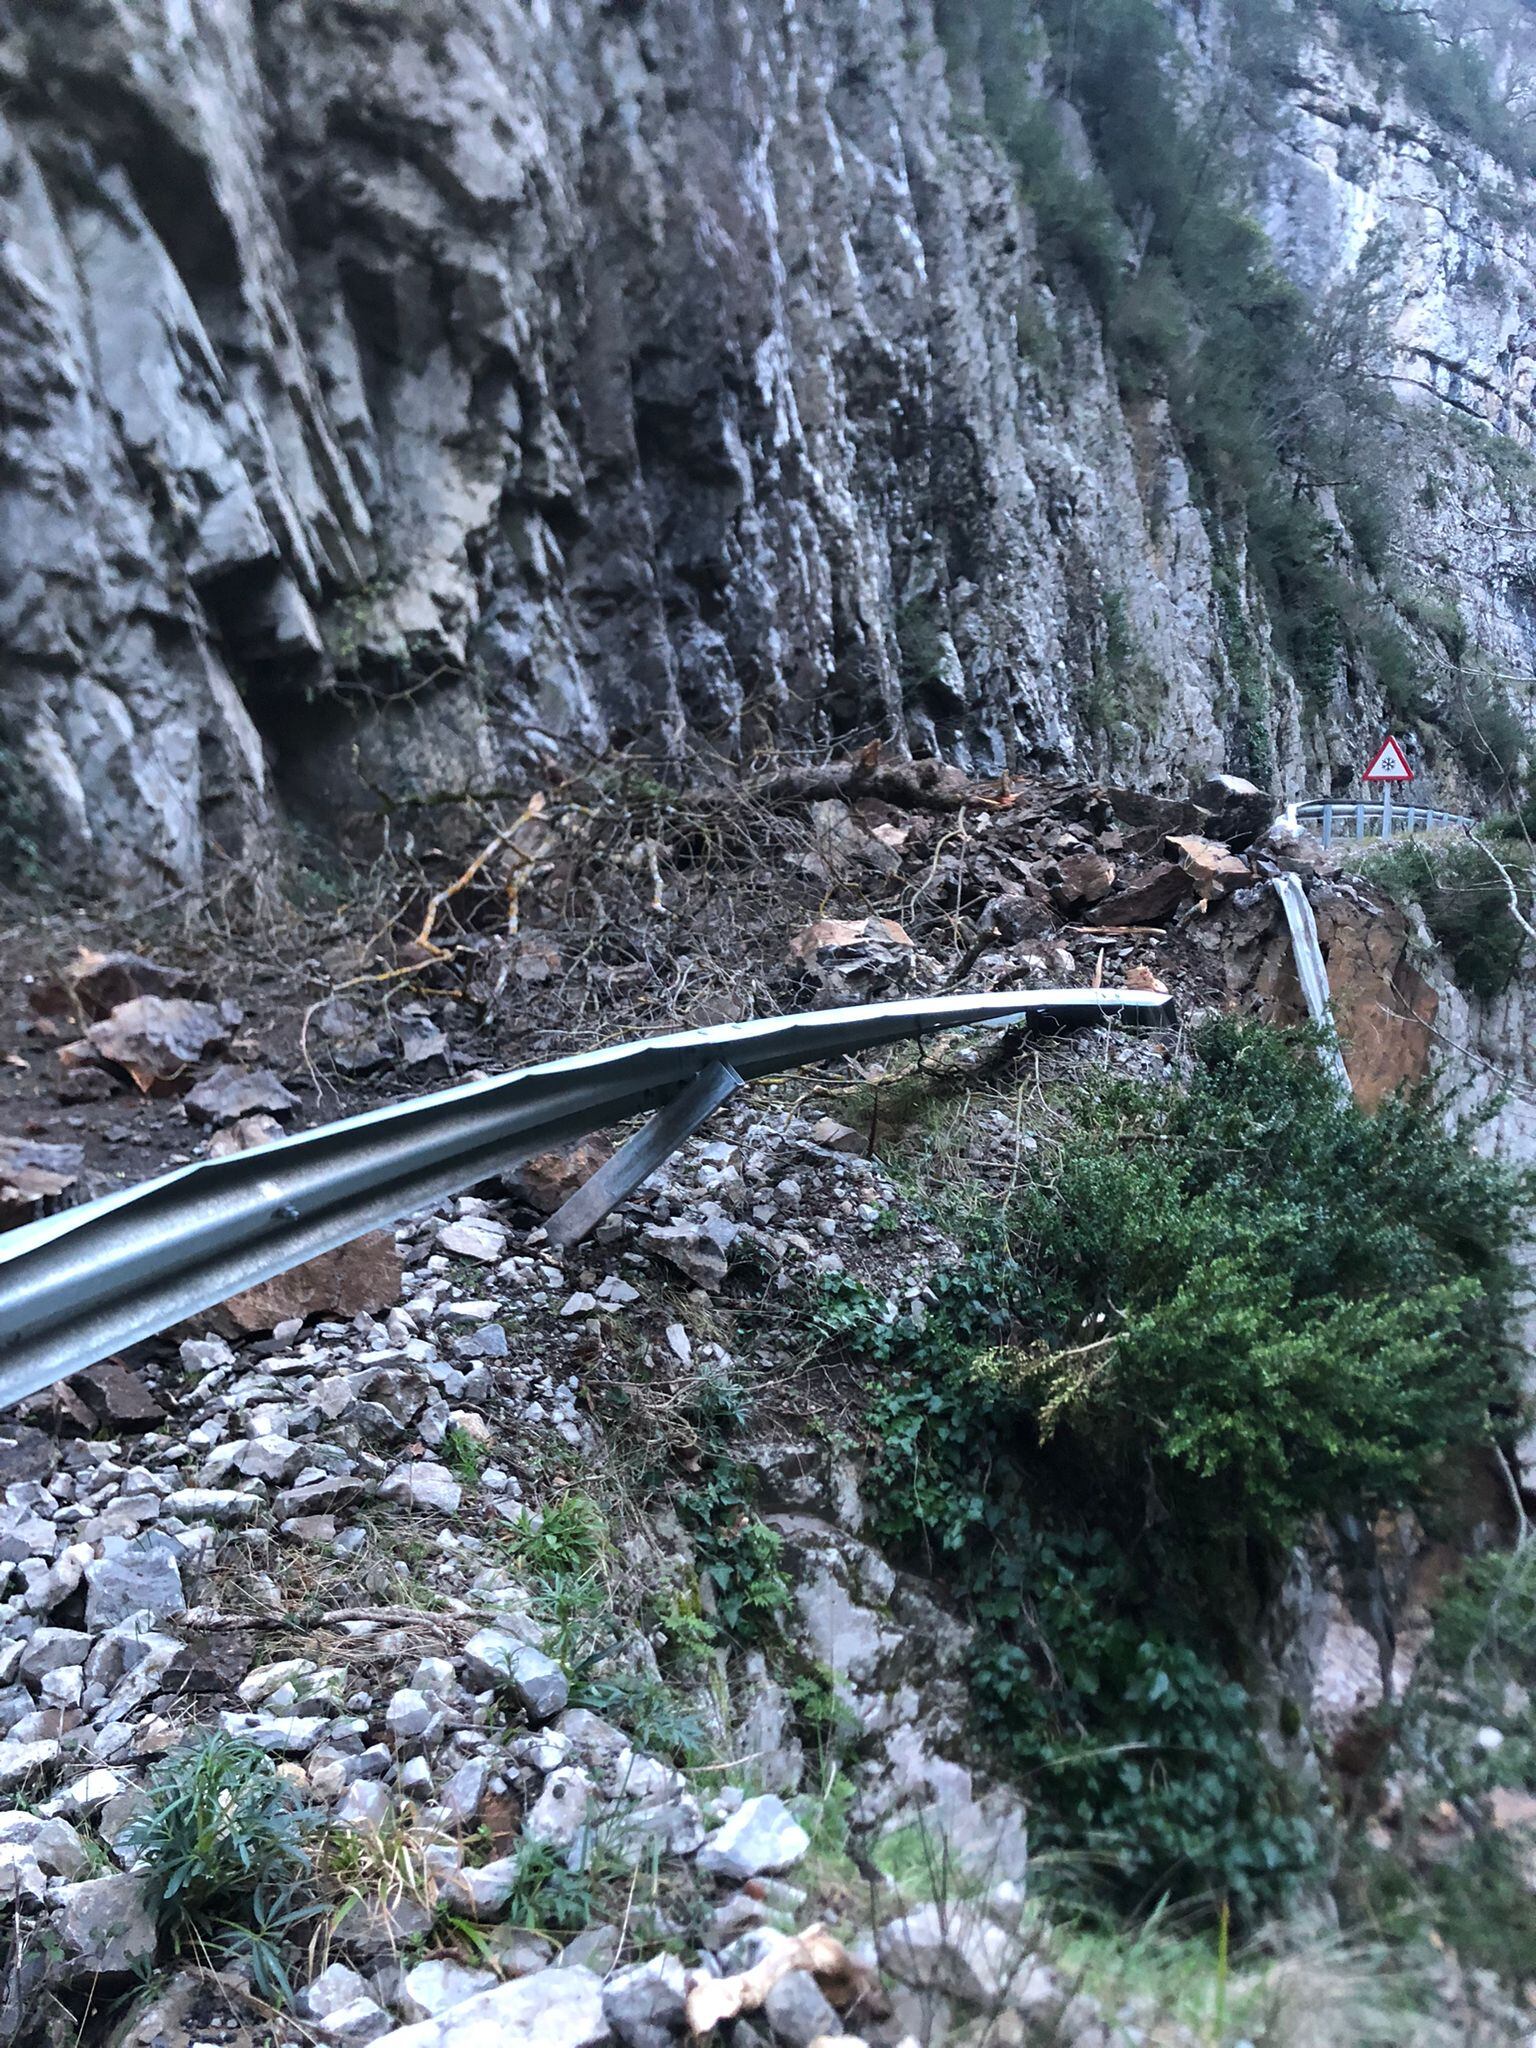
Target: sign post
1390,765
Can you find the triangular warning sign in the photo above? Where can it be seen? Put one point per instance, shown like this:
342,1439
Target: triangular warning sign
1390,764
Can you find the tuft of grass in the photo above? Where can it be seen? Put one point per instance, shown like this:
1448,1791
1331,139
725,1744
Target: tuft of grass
568,1539
464,1455
223,1845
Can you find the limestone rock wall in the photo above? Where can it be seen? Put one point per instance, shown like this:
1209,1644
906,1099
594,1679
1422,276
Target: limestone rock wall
394,392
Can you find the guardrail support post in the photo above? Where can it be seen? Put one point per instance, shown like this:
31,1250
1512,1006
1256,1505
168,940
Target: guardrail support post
638,1157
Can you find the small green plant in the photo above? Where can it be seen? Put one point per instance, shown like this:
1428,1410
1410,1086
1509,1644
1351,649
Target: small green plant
464,1455
547,1895
569,1538
738,1552
223,1845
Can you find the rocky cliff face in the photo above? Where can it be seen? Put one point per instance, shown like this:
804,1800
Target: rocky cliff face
396,393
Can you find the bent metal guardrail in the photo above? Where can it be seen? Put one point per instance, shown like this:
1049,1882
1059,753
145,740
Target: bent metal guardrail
78,1286
1334,819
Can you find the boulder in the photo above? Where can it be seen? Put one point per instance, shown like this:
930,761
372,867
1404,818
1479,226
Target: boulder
359,1278
553,2009
437,1986
1239,809
107,1929
141,1576
232,1092
762,1835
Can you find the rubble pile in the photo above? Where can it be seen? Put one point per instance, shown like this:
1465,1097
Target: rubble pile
315,1540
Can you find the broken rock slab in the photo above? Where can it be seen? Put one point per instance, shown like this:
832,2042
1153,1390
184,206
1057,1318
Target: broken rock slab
761,1836
553,2009
357,1278
232,1092
155,1040
107,1929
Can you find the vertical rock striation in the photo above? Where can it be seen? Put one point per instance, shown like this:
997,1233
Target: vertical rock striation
394,393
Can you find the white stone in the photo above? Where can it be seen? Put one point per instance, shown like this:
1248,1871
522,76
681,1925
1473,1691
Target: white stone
436,1987
553,2009
762,1835
424,1487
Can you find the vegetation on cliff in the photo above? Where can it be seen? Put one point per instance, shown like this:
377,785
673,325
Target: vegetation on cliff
1210,1315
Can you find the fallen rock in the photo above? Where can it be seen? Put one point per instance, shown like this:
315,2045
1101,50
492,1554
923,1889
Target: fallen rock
496,1658
354,2025
858,955
1085,877
53,1845
335,1987
142,1576
762,1835
155,1039
423,1487
230,1092
700,1251
645,2005
950,1948
243,1136
1213,869
360,1044
559,1813
362,1277
102,982
1152,900
107,1929
473,1237
421,1041
436,1987
117,1396
24,1763
553,2009
798,2011
549,1179
35,1180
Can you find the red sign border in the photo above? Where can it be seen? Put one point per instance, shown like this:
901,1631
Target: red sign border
1391,740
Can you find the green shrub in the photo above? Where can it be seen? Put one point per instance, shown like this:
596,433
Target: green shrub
1465,902
222,1844
1214,1313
